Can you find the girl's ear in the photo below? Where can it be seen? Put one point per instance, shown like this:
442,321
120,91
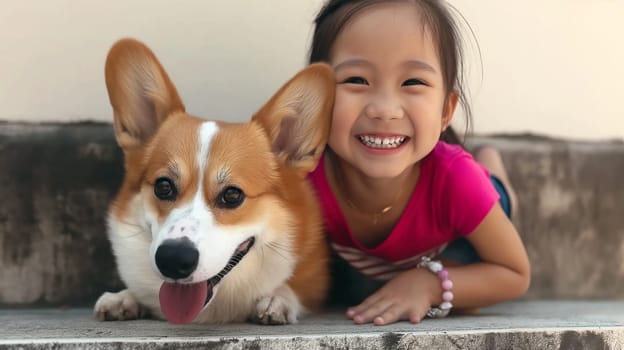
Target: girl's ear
449,109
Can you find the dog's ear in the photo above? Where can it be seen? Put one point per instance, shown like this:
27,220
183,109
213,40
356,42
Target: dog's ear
140,92
297,118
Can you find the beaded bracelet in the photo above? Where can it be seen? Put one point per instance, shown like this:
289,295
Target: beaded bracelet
437,268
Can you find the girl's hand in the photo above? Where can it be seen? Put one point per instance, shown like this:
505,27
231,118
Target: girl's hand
408,296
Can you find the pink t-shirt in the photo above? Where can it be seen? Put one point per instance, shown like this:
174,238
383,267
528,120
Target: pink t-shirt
453,195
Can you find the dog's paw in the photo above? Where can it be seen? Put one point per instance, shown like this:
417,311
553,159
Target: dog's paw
281,308
118,306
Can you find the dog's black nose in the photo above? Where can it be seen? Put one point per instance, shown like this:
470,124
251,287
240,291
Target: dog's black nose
177,258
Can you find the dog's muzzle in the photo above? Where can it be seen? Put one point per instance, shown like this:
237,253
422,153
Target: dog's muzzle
178,259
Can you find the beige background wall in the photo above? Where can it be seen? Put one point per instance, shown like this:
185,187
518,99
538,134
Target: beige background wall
553,67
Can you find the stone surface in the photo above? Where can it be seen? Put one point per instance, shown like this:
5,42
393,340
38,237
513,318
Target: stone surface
515,325
57,181
570,214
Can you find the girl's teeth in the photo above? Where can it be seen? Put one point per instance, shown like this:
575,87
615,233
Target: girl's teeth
378,142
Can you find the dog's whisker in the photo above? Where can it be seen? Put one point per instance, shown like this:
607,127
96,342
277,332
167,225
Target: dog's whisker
278,250
133,230
131,235
281,246
129,223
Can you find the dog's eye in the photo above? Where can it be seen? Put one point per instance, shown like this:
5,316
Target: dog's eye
164,189
231,197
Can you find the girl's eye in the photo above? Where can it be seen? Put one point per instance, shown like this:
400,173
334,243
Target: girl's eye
164,189
412,82
231,197
355,80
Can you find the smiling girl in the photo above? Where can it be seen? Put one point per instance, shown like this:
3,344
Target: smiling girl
395,196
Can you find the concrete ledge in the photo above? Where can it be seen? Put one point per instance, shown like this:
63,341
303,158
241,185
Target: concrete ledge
58,179
515,325
570,204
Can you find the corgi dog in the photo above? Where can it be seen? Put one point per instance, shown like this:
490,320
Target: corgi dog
215,222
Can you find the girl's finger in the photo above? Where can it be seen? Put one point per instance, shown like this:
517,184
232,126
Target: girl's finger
390,315
374,310
367,303
415,316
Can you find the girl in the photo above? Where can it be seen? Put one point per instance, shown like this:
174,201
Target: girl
394,194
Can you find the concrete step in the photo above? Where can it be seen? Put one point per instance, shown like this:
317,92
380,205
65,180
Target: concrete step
513,325
57,181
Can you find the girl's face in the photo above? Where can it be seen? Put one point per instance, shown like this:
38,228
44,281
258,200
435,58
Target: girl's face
388,113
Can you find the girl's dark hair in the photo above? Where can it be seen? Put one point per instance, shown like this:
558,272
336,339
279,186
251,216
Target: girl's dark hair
437,18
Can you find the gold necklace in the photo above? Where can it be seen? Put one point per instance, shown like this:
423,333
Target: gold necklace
375,215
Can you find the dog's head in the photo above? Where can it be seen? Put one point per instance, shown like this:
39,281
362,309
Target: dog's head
209,192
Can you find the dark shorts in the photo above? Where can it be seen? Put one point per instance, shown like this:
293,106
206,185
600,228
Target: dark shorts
350,287
504,200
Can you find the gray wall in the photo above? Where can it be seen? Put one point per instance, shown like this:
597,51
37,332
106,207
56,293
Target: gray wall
57,180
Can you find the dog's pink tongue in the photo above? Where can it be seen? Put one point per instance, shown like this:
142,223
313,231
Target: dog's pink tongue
181,303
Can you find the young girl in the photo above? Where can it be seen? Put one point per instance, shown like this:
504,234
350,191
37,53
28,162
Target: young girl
394,194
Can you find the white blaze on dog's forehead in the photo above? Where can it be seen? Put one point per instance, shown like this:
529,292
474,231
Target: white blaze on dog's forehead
206,134
207,131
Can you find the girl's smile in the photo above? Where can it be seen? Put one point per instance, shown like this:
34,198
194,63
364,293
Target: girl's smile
382,143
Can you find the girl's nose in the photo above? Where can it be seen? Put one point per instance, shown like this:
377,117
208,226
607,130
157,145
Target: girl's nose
384,106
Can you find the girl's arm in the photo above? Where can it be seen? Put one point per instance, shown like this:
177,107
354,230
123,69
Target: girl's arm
504,271
503,274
